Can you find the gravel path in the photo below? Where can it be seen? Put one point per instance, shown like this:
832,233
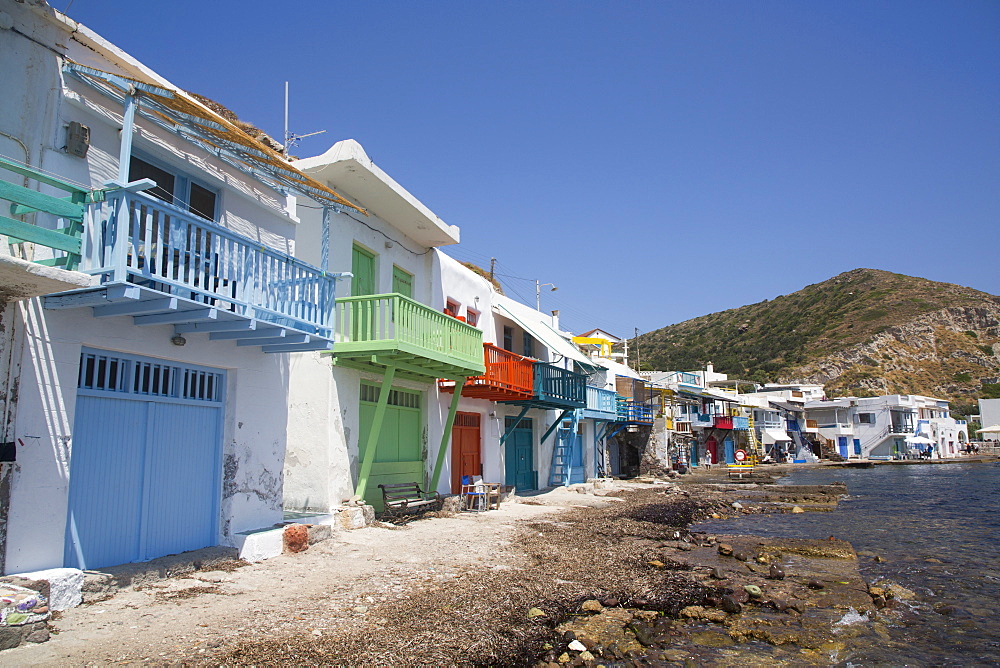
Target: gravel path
332,586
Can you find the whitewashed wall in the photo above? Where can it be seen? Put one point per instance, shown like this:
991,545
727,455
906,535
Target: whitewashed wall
254,424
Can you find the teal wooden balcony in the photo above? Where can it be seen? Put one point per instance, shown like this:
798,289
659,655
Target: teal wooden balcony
377,331
741,422
601,404
633,412
556,388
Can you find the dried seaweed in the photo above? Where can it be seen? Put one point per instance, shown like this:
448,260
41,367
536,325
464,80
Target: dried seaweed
480,618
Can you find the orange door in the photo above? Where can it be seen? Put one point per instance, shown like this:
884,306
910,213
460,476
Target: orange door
465,455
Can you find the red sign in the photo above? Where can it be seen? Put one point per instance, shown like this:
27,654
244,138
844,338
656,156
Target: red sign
740,455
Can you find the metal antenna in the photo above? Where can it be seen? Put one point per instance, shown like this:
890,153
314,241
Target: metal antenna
290,138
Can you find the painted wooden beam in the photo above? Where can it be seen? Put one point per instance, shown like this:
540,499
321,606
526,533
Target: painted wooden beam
265,333
513,426
241,325
373,434
554,425
299,348
20,231
284,337
136,306
446,436
36,201
175,317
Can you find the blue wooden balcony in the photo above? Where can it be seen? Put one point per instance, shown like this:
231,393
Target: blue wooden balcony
633,412
163,265
556,388
601,404
741,422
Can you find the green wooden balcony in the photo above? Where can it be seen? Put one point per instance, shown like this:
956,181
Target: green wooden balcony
377,331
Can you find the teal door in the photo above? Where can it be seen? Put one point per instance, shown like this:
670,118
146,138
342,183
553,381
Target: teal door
519,466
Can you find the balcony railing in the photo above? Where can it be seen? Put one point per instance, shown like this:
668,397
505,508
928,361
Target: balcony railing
702,418
741,422
399,330
147,242
558,385
688,378
723,422
508,376
601,403
631,411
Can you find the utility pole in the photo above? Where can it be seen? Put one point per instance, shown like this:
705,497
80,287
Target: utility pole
493,264
638,363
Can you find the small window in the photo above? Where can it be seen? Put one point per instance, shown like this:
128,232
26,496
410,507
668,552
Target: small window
140,169
866,418
472,317
176,188
202,202
452,308
528,345
508,338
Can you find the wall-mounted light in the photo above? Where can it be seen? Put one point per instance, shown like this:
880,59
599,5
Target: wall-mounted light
389,244
178,340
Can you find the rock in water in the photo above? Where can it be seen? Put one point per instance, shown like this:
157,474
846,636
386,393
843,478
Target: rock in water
725,549
776,572
731,605
753,590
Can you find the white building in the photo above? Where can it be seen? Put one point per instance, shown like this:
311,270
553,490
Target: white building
149,403
892,426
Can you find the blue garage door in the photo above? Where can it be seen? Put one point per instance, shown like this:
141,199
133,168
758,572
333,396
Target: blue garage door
145,464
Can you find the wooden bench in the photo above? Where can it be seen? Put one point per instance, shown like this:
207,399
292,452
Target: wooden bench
740,470
398,498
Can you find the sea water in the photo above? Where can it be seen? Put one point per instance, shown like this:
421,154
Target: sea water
936,528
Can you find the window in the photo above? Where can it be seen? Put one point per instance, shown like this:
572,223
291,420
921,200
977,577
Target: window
866,418
176,188
452,308
402,282
508,338
528,345
472,317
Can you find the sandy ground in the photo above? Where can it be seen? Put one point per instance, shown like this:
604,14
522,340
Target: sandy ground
331,585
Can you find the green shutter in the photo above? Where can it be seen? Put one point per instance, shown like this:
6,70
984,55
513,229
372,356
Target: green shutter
363,268
402,282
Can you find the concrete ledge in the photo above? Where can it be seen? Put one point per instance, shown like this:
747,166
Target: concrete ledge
102,585
65,586
260,544
20,279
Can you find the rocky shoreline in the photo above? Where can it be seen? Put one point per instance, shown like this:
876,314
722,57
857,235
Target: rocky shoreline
628,584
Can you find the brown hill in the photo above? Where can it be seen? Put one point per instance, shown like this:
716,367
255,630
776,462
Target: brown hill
865,332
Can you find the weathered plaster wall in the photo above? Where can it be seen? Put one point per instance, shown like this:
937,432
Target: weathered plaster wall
254,425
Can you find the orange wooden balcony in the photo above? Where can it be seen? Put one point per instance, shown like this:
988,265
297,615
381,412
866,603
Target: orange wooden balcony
508,377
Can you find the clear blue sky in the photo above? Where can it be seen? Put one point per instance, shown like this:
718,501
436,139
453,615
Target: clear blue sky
656,160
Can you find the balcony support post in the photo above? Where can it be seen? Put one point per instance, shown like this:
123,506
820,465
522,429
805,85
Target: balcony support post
446,436
511,429
552,427
369,456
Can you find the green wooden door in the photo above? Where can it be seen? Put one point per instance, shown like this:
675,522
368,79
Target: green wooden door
399,452
519,465
363,268
402,282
